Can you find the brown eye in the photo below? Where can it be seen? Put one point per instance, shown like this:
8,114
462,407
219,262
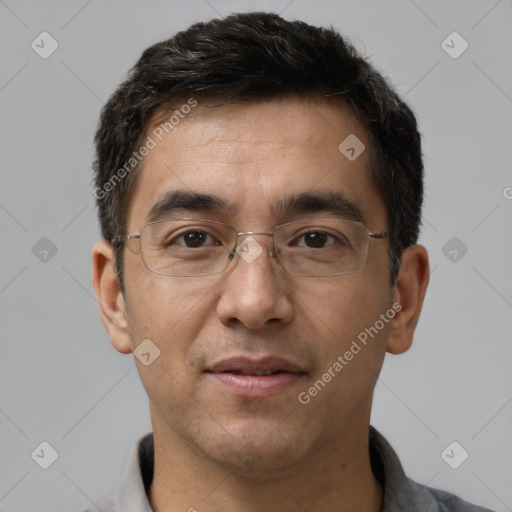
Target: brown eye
316,240
194,238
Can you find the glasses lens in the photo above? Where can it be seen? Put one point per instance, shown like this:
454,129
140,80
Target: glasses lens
322,248
186,247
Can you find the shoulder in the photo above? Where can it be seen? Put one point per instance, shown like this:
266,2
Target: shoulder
107,505
436,500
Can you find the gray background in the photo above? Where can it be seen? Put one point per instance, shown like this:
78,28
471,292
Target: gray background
62,382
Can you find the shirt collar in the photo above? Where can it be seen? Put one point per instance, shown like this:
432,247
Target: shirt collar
398,494
132,493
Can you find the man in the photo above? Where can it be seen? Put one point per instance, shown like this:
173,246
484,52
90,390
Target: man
259,188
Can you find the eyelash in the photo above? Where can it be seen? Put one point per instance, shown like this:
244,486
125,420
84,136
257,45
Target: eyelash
181,236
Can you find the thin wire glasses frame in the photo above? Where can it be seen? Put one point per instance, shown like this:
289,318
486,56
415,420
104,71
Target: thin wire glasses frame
348,254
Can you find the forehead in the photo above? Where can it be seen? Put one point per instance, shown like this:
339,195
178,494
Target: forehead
255,155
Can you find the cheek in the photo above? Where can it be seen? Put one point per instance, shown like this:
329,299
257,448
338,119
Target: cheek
351,339
344,316
171,314
341,307
169,311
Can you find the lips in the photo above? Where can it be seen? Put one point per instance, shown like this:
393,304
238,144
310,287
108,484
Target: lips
255,377
246,366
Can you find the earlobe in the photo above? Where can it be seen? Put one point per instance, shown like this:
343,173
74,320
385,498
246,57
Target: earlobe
411,286
110,298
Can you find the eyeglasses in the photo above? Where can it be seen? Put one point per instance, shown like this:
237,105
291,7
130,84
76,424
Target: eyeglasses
196,247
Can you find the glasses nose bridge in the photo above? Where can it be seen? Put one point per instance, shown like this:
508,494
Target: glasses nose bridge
241,233
254,233
273,250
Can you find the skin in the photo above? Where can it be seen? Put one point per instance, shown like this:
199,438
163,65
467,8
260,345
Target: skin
217,451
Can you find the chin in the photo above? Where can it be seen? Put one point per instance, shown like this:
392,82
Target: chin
256,451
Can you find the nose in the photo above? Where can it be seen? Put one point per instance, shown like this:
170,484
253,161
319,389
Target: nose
254,292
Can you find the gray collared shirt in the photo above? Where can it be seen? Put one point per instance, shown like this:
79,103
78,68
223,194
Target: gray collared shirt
401,494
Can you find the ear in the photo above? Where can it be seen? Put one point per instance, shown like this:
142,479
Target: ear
110,298
411,286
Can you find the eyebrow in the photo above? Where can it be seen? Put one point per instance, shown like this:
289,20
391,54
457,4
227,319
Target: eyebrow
334,203
174,200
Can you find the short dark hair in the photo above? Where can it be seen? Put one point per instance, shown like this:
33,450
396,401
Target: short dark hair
254,57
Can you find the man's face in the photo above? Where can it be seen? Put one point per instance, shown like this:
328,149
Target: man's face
253,156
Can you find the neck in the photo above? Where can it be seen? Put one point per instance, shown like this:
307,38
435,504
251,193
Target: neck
337,478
